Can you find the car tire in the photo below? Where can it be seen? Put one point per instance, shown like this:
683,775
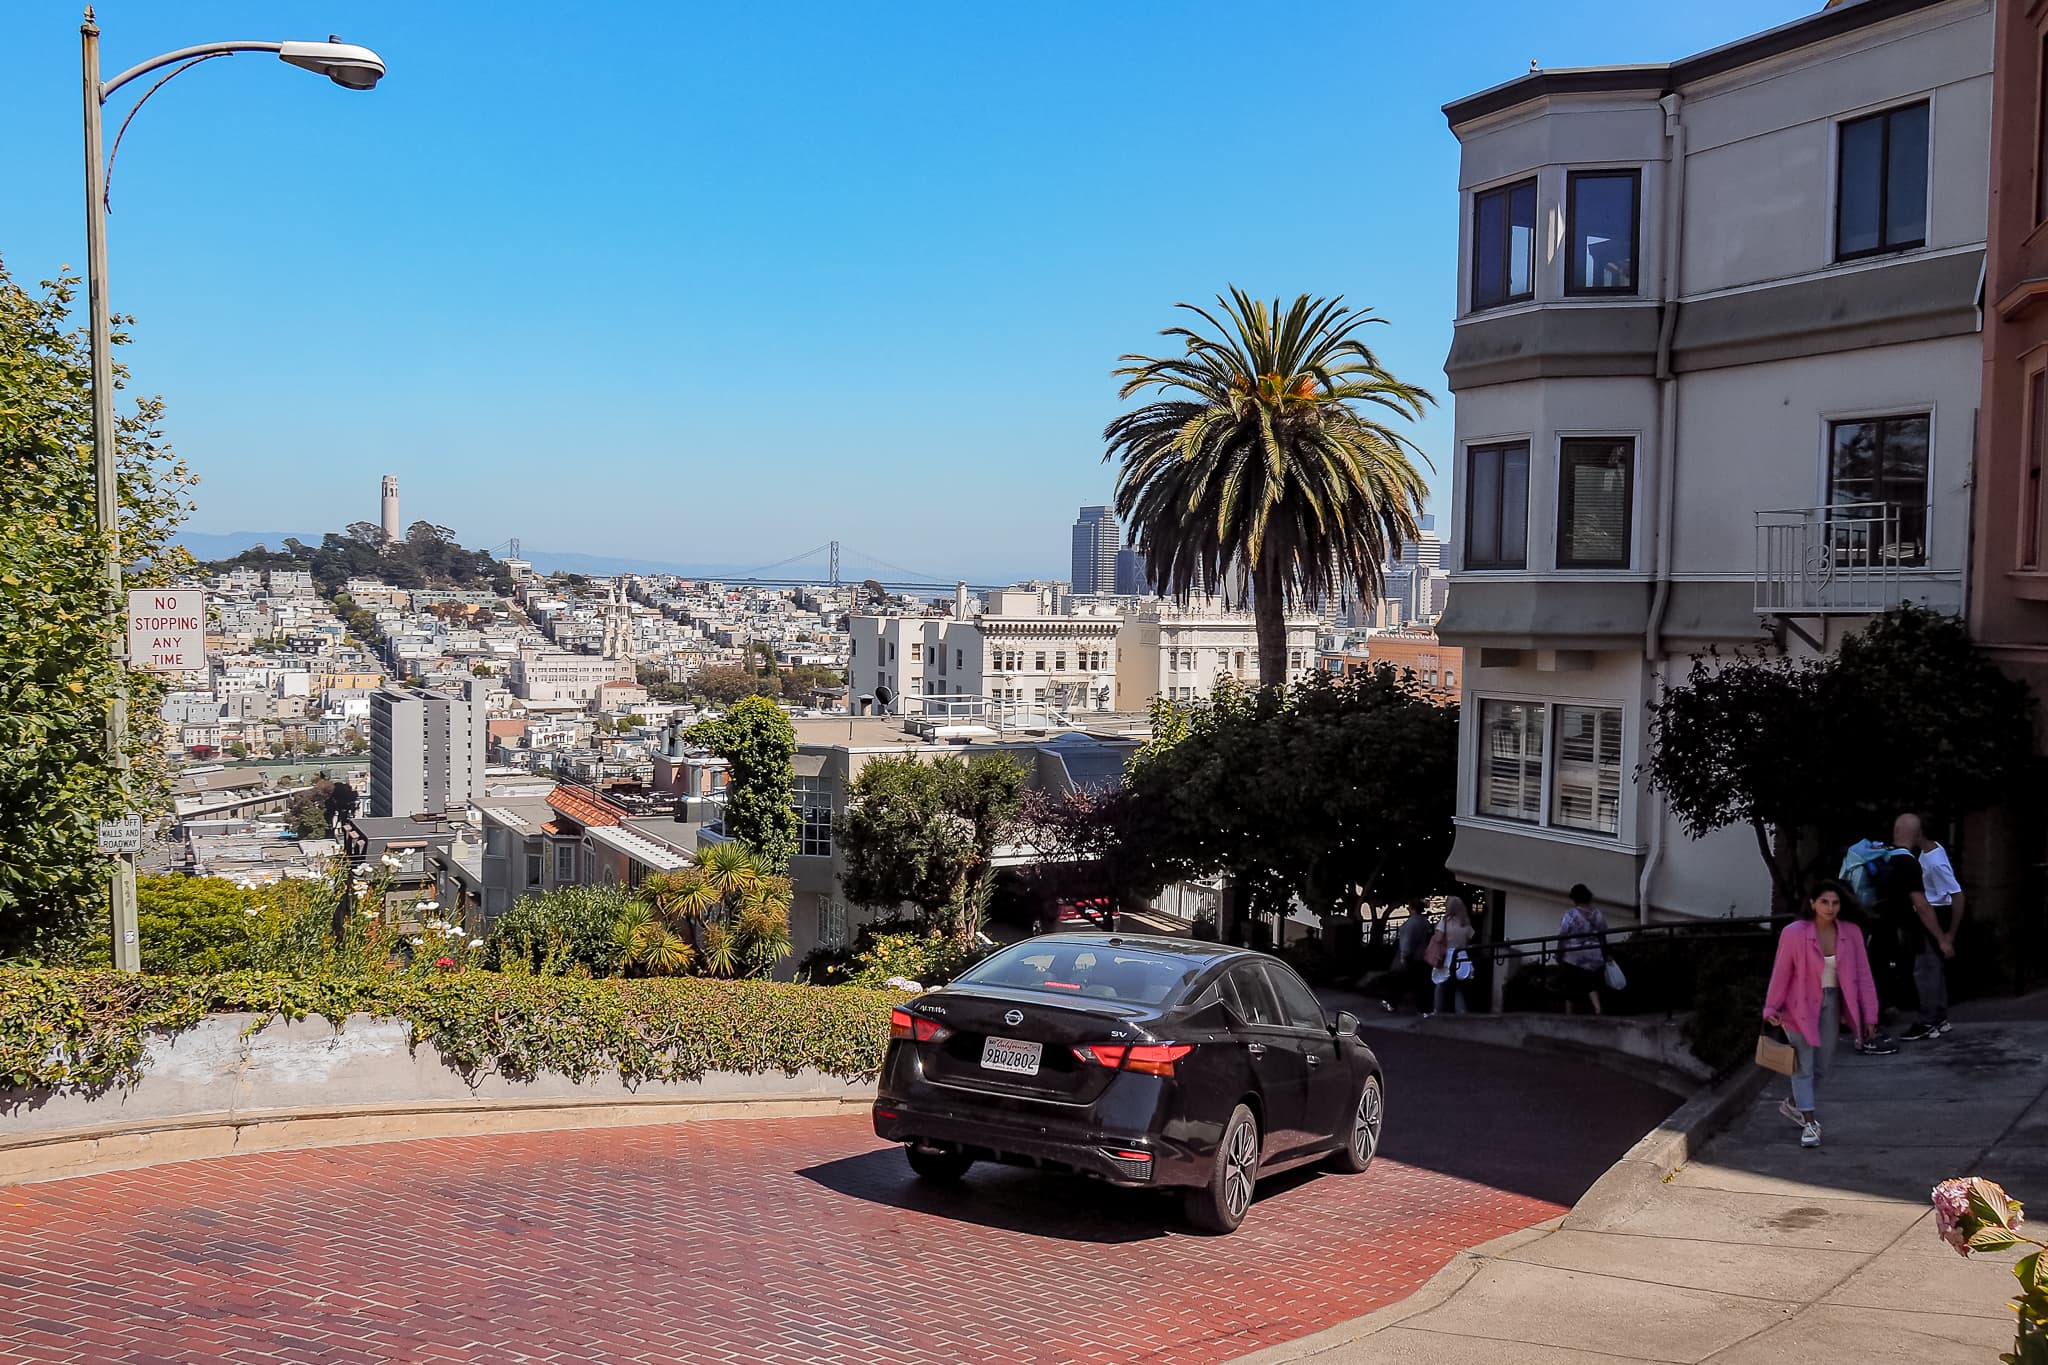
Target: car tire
1220,1203
1362,1138
937,1165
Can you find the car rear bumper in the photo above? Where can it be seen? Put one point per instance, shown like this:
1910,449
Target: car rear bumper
1022,1143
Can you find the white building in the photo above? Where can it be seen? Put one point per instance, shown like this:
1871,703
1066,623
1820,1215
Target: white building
1717,365
1164,650
556,675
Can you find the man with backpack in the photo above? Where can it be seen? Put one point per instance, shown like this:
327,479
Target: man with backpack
1936,900
1875,906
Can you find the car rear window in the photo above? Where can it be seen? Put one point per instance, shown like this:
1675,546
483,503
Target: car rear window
1085,969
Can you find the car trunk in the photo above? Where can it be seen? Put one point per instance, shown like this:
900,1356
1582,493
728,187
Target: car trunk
966,1059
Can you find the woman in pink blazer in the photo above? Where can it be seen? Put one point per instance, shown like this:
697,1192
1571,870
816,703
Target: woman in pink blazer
1822,973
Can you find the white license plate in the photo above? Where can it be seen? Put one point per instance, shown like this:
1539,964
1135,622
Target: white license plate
1010,1054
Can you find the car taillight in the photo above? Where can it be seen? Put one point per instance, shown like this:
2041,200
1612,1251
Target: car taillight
904,1024
1154,1059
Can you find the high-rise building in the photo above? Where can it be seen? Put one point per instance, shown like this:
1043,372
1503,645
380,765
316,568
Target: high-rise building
1131,577
1096,535
426,749
391,528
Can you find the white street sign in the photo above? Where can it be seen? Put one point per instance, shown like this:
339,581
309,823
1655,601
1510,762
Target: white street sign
121,836
167,629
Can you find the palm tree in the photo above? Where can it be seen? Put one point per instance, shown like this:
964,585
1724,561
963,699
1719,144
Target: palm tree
1267,467
723,911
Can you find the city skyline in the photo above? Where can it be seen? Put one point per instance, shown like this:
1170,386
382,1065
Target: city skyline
429,281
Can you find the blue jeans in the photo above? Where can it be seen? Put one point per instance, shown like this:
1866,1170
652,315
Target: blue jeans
1815,1057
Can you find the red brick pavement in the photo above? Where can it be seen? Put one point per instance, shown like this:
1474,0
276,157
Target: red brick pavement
772,1242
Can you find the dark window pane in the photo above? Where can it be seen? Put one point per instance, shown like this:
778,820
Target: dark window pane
1489,250
1603,231
1862,175
1296,1002
1875,466
1514,502
2030,514
1522,240
1906,178
1595,495
1483,527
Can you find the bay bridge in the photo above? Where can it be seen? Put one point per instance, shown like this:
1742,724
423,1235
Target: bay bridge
836,565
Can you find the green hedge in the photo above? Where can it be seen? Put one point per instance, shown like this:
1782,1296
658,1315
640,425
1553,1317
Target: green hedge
86,1030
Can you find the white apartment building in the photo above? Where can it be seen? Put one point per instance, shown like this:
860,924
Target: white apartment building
1716,366
1164,650
427,750
556,675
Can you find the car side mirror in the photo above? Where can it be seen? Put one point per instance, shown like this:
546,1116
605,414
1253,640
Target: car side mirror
1346,1025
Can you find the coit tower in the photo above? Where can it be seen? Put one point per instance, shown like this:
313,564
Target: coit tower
391,508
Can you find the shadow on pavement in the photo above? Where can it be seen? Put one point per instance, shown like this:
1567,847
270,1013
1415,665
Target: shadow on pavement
1042,1203
1534,1123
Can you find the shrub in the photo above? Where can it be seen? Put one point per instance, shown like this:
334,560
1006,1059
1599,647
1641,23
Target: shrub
566,932
86,1030
928,959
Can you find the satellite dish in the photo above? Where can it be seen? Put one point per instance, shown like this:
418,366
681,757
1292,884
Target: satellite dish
884,695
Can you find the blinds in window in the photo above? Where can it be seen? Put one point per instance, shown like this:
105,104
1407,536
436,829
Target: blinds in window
1597,495
1588,775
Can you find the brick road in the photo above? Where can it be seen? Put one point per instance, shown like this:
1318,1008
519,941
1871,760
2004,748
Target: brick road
787,1240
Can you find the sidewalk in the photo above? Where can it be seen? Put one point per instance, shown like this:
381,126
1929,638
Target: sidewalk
1758,1251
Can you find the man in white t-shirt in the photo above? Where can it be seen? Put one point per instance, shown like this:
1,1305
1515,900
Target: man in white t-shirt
1945,899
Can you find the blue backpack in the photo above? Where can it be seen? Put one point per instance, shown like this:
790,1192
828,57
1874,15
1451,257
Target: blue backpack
1859,869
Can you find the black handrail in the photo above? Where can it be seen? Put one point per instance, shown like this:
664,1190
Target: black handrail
1547,947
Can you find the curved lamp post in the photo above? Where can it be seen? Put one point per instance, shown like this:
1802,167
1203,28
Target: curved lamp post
355,68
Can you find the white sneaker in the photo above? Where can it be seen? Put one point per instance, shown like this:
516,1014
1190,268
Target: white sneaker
1787,1108
1809,1136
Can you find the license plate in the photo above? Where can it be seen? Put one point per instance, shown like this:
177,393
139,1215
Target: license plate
1009,1054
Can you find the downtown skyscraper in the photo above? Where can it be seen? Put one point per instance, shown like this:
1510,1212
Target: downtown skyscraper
1096,537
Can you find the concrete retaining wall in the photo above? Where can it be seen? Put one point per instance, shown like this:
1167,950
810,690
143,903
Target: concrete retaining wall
1656,1043
210,1090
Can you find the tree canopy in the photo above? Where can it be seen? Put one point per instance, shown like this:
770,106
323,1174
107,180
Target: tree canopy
1340,793
57,679
1908,715
1271,466
923,834
758,744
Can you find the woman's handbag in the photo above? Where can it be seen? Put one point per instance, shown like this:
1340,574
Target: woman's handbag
1433,955
1617,980
1773,1053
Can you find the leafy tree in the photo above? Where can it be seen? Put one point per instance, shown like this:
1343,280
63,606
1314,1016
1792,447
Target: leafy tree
237,749
57,680
725,914
197,924
799,681
564,932
1268,468
758,744
1908,715
1340,793
309,811
922,834
364,532
724,684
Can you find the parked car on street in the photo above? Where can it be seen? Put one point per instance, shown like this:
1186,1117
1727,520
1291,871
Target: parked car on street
1143,1061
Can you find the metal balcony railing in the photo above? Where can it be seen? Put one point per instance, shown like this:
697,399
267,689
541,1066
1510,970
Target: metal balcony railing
1845,559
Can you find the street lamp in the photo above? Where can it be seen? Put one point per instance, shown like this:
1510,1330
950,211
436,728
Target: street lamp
355,68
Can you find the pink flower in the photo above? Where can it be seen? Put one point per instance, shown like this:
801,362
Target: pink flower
445,963
1967,1205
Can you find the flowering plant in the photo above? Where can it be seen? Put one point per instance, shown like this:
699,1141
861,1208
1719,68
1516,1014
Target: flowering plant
1973,1214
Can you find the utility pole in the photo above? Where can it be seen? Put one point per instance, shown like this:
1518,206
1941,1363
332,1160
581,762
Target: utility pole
107,486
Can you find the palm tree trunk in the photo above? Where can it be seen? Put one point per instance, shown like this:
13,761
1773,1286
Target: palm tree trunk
1269,620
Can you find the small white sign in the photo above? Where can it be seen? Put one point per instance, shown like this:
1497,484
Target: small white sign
167,629
121,836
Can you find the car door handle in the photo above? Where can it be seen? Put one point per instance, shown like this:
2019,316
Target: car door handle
1256,1049
1314,1060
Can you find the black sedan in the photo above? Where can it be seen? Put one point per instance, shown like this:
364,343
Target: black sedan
1143,1061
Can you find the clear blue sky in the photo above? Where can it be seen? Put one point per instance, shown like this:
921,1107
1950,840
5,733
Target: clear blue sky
720,283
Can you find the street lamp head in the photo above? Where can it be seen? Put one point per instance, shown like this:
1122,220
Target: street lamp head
348,66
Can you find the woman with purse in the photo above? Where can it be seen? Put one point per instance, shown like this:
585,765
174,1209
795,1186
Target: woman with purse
1821,975
1454,968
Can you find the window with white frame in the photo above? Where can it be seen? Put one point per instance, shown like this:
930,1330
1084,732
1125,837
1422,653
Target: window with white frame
1038,664
565,862
1570,752
1511,760
812,797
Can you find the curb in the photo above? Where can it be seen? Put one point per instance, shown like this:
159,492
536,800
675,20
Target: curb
1629,1182
120,1146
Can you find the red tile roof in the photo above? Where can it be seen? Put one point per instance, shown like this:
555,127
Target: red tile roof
584,806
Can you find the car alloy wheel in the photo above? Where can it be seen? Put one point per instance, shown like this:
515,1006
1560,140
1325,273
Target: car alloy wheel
1220,1203
1240,1170
1362,1143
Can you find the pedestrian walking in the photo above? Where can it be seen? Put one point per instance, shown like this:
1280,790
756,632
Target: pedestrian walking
1935,899
1820,978
1583,941
1411,965
1451,974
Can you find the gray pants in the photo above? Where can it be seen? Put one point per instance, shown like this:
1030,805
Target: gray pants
1815,1056
1930,979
